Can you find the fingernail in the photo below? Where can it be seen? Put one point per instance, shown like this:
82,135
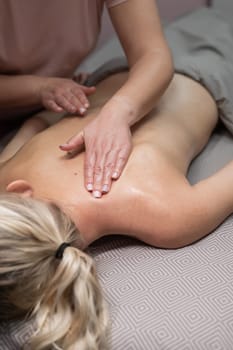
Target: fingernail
115,175
89,187
82,110
105,188
86,105
97,194
63,145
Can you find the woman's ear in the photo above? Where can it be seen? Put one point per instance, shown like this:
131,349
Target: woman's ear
20,187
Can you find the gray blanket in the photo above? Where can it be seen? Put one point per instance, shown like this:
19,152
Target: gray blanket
202,47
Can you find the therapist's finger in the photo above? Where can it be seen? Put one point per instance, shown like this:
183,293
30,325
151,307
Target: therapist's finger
109,167
98,172
80,95
74,143
89,164
75,102
53,106
64,102
122,158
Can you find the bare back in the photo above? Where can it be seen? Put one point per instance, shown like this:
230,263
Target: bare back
164,143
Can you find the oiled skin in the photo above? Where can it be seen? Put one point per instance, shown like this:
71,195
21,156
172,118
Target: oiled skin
152,200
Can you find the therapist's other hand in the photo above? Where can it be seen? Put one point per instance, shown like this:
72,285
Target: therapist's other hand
108,143
65,95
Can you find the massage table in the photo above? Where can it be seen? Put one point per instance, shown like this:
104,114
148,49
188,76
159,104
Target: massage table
162,299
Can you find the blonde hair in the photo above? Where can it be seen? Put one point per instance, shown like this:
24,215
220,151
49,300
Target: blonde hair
63,295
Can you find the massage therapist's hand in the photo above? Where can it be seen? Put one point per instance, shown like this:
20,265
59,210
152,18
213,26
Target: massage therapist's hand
107,140
59,94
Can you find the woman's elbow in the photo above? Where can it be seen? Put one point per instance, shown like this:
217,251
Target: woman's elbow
175,233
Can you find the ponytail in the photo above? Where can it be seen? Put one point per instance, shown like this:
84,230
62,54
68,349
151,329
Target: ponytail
63,295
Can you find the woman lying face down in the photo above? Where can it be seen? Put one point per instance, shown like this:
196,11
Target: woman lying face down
44,205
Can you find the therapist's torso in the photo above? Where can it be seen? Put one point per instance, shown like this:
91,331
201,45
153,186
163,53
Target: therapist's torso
48,38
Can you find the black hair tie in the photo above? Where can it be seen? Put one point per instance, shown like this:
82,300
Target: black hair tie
60,250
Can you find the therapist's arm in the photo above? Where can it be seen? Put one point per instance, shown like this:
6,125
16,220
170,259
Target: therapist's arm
18,93
30,92
151,69
107,139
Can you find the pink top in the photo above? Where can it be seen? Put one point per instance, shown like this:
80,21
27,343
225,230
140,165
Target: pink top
48,38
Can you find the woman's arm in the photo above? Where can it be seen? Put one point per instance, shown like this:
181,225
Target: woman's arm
107,139
30,92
